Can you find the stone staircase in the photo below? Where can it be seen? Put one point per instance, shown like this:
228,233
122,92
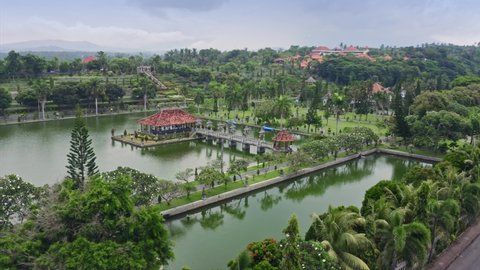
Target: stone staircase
147,71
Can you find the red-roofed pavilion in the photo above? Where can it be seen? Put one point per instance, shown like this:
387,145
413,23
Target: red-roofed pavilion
89,59
283,137
168,120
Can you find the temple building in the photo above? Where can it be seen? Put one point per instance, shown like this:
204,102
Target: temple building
168,121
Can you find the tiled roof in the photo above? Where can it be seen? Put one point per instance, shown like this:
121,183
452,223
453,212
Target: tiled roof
89,59
376,88
321,48
316,56
283,136
351,49
168,117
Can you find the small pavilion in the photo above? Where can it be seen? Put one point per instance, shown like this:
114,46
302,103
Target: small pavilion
283,138
168,121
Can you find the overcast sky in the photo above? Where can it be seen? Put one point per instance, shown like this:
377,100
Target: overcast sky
228,24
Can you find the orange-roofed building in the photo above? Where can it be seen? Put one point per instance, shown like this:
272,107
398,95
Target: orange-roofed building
284,138
89,59
352,49
321,49
168,120
304,64
376,88
316,56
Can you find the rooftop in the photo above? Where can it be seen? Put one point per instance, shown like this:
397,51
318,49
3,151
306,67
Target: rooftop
283,136
168,117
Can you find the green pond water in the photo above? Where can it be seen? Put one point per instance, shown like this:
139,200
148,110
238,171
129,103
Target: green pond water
210,238
37,151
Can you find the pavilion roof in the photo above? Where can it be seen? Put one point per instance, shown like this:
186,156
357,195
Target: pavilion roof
168,117
89,59
283,136
310,80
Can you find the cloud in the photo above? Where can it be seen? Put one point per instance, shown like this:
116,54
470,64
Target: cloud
111,37
190,5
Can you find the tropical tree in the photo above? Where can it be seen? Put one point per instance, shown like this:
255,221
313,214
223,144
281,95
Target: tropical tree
16,199
114,92
5,100
145,187
283,105
469,197
167,191
297,160
185,176
100,223
398,240
42,90
95,89
199,100
237,167
81,158
144,89
291,253
336,230
442,218
338,101
209,175
312,118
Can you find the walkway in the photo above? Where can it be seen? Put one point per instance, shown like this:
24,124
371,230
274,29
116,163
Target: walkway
236,138
154,79
463,254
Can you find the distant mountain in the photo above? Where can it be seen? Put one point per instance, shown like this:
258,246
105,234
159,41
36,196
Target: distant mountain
51,46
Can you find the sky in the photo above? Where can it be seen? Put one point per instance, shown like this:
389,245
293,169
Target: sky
158,25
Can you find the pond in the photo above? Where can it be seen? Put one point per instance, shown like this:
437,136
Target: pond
210,238
38,151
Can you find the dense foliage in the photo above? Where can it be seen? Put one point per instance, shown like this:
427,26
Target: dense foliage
408,220
97,228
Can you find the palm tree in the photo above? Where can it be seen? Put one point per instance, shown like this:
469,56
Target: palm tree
95,89
338,101
443,216
469,198
397,241
283,106
42,90
336,231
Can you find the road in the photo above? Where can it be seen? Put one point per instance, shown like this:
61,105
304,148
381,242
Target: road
469,258
463,254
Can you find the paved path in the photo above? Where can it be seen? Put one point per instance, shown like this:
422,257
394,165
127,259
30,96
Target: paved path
463,254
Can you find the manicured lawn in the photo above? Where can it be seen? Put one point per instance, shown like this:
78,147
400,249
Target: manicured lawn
195,196
375,122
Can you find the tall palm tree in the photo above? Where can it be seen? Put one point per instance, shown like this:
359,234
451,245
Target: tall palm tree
469,198
42,91
338,101
95,89
398,240
442,217
283,105
336,232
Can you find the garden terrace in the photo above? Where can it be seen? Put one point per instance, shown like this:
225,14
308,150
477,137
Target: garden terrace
167,121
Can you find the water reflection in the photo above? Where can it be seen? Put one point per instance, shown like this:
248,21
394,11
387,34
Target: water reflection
229,227
269,200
